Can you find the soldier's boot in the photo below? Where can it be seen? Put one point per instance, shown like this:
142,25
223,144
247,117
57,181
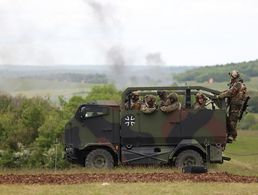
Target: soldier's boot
234,135
232,131
229,136
230,139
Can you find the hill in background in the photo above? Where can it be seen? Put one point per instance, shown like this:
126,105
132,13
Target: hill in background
218,73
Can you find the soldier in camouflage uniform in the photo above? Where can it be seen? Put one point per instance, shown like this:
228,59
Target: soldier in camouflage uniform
236,95
149,105
200,101
163,97
171,103
134,102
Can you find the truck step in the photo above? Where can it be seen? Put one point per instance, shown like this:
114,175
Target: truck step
226,158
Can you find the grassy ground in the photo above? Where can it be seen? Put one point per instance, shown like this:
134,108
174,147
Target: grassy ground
244,154
244,162
133,188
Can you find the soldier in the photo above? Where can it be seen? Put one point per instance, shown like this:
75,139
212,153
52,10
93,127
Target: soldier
171,103
236,95
200,101
163,97
149,105
134,102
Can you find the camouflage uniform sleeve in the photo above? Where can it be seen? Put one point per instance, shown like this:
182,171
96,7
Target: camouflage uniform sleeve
136,106
146,109
196,106
126,106
171,107
162,103
230,92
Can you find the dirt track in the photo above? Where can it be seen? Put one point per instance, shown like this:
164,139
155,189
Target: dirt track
123,178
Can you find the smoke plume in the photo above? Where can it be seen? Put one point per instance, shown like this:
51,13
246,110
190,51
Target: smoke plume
105,15
154,59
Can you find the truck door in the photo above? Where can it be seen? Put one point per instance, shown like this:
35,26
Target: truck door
97,122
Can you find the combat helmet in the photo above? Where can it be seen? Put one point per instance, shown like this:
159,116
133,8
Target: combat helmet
234,74
162,94
173,97
200,95
150,100
135,95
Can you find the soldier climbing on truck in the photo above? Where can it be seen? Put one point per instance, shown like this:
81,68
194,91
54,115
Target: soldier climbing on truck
237,99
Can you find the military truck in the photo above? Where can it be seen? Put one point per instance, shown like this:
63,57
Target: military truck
104,134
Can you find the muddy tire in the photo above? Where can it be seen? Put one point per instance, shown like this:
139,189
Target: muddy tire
188,158
99,159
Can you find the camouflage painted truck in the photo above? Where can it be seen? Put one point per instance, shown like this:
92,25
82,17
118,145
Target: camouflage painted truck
105,134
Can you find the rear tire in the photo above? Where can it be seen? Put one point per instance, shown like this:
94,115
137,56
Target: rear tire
188,158
99,159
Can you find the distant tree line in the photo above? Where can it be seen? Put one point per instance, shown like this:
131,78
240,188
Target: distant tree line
219,72
31,129
76,77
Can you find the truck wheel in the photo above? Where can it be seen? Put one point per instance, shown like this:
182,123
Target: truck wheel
99,159
188,158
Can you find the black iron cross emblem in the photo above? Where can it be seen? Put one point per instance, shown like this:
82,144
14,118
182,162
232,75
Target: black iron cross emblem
130,120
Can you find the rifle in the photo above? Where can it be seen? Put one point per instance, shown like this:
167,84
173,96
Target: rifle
243,108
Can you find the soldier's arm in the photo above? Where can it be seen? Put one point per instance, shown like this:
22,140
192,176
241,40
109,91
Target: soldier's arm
230,92
170,108
196,106
147,110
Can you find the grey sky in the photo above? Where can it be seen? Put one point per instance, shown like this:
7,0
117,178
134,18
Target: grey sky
179,32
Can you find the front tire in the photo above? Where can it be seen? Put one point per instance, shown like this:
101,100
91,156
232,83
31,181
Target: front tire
99,159
188,158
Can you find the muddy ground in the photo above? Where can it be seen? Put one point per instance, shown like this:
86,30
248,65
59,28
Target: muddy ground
123,178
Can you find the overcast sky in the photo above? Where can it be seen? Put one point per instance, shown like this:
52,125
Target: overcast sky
171,32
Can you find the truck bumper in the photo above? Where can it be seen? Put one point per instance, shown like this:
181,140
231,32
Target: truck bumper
70,155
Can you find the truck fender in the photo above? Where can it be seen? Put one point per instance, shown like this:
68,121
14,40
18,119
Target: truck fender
109,147
187,144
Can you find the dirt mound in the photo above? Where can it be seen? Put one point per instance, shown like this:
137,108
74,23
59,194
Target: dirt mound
123,178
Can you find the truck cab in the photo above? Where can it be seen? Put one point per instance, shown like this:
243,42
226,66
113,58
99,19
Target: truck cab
106,134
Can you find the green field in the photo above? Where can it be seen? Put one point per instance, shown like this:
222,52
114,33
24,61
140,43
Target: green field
54,88
244,154
44,88
133,188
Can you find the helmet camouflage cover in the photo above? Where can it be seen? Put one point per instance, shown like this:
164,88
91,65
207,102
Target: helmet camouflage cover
173,97
200,95
150,98
234,74
135,95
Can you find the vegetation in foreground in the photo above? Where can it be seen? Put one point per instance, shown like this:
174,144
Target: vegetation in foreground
31,129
